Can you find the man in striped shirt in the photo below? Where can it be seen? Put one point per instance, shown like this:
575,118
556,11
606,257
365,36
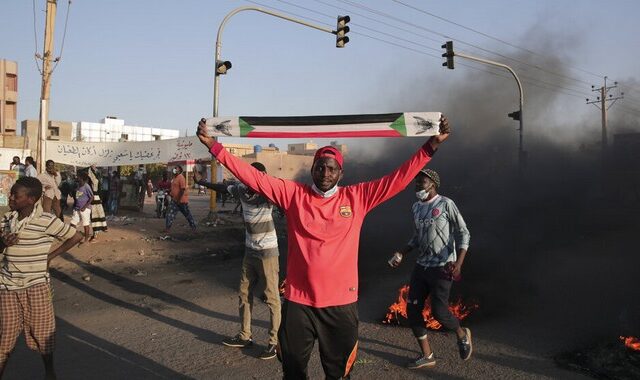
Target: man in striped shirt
25,294
260,263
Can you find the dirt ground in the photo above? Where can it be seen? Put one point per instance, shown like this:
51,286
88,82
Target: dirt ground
137,307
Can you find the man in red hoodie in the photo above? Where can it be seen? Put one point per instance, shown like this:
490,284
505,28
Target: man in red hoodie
323,223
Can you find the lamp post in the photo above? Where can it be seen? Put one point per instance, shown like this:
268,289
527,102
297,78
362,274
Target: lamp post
516,116
216,80
221,68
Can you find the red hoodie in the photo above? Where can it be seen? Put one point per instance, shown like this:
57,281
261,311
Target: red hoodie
324,233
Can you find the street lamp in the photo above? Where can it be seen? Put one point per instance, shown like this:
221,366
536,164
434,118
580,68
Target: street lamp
222,67
518,116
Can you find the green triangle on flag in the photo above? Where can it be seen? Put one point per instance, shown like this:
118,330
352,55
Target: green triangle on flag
399,125
245,128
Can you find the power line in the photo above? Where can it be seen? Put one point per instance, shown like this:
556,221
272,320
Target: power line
530,81
486,35
363,26
35,36
443,35
376,20
403,39
380,13
64,36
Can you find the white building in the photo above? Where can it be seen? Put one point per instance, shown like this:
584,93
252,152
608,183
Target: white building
112,129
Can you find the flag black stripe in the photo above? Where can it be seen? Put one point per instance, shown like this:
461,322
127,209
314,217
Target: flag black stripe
321,120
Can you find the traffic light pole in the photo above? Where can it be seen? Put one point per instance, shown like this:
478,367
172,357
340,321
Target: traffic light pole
521,93
216,80
216,84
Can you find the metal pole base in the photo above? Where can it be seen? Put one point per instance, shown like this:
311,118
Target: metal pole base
212,217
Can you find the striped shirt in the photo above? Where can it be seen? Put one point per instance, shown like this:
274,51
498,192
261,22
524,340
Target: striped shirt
25,263
260,240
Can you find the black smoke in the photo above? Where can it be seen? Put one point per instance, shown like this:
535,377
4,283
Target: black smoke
555,244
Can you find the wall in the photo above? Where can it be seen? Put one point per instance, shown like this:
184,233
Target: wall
6,156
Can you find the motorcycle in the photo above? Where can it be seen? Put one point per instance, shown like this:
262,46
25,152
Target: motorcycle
162,203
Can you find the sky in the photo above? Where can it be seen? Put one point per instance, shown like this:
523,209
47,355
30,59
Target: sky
151,62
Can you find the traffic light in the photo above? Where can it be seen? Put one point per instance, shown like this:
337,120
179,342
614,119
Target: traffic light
515,115
222,67
341,31
448,46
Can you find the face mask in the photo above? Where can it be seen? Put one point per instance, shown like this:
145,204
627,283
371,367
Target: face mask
175,171
325,194
423,194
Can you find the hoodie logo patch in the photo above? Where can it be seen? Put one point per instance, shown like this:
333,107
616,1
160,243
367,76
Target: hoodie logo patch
435,212
345,211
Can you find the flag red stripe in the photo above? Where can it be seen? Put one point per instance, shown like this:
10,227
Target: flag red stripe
291,135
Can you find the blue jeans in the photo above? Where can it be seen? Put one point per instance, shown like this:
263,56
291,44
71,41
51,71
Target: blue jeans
174,207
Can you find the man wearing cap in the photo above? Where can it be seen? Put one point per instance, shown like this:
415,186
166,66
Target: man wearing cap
323,222
442,239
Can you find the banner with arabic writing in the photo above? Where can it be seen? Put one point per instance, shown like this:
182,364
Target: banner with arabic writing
408,124
126,153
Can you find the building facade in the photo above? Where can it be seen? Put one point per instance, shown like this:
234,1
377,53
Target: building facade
112,129
109,129
8,97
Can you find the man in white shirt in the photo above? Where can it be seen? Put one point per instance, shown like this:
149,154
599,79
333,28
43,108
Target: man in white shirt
17,166
30,167
51,189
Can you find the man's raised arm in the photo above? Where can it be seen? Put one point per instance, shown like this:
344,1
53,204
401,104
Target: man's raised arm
377,191
276,190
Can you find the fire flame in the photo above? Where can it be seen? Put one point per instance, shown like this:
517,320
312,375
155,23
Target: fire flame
399,308
631,342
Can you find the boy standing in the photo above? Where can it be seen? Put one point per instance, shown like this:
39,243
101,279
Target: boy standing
82,205
25,293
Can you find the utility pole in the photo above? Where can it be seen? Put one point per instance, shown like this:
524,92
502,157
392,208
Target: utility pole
47,56
601,103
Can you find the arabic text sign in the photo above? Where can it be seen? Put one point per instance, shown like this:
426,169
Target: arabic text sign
126,153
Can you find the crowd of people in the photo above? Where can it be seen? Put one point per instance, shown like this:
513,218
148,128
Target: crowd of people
323,227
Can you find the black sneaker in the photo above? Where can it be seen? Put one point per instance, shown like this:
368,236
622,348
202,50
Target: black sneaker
236,341
465,346
268,353
422,361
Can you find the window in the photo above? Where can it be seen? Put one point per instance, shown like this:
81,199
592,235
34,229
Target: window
54,131
10,110
124,137
11,82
